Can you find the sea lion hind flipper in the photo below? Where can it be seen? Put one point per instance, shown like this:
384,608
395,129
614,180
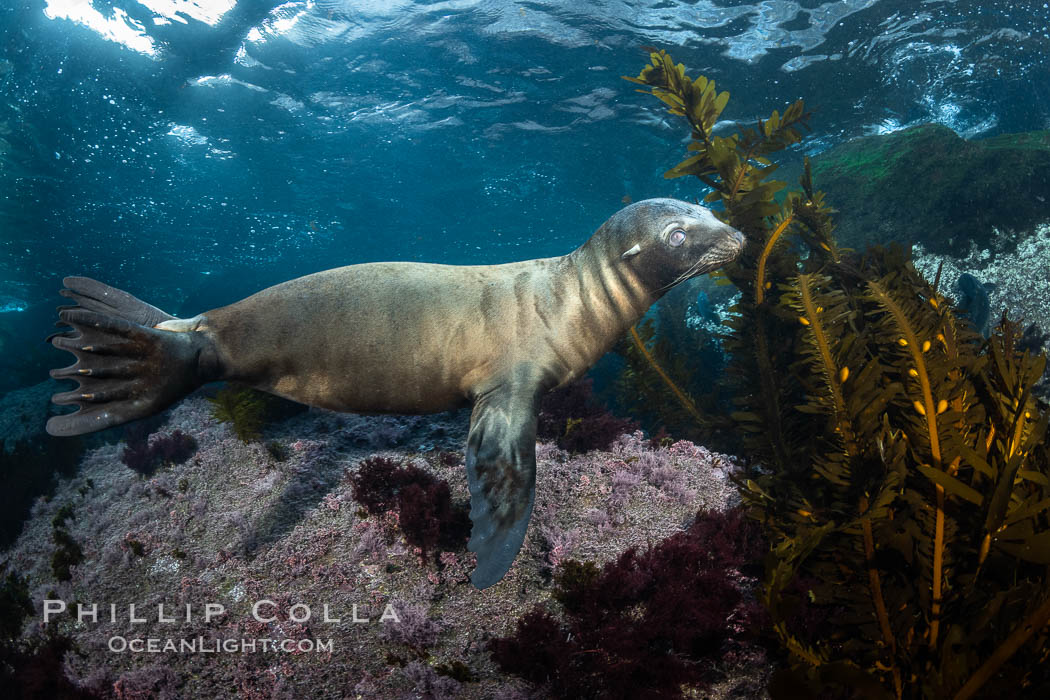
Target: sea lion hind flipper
501,472
96,296
124,370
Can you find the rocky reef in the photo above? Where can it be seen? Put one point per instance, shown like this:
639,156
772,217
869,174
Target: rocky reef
928,185
30,459
1017,275
276,525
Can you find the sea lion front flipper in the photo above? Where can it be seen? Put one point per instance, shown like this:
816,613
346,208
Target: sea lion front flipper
501,470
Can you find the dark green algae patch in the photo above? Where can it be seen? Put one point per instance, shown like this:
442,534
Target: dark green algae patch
928,185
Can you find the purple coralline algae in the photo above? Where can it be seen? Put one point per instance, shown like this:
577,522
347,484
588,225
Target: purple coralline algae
251,570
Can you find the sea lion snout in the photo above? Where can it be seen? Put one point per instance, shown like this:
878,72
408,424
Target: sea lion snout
733,245
729,242
722,252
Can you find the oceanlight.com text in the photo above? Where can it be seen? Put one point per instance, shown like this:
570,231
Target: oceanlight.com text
201,645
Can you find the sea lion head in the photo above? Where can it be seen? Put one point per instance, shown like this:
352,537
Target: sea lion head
667,241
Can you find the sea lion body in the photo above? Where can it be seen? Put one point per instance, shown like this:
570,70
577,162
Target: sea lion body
403,338
421,338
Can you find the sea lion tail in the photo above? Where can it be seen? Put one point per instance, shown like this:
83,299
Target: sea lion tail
126,368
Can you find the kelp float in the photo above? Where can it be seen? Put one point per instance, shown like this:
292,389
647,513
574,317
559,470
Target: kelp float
899,460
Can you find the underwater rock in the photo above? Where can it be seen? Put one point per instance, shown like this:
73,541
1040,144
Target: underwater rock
29,457
23,413
971,296
235,525
1018,275
928,185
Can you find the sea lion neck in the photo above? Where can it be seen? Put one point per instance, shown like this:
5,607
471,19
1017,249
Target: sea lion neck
607,285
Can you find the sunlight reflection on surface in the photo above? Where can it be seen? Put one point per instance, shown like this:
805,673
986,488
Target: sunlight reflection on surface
208,11
121,28
118,27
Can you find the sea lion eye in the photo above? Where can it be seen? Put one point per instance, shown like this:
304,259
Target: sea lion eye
677,238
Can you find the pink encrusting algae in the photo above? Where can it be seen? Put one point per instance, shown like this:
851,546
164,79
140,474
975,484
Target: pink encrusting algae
271,532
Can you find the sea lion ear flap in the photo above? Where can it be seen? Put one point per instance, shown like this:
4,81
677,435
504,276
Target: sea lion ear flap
634,250
501,472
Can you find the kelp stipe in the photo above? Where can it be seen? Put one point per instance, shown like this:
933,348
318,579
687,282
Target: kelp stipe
900,466
652,374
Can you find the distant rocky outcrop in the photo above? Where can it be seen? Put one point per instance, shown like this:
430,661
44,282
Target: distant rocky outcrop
928,185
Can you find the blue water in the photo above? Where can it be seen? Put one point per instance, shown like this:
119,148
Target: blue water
194,151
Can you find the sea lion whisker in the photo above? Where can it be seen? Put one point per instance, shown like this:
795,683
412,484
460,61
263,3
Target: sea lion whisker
684,276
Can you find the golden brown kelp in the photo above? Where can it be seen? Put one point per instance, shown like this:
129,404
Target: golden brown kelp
737,169
652,372
899,461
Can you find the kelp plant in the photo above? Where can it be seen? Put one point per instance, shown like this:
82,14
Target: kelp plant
243,408
899,461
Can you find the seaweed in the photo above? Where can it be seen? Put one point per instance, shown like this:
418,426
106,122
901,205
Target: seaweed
37,670
145,454
576,421
29,669
427,516
67,554
660,385
457,670
377,481
15,604
247,410
737,171
63,514
243,408
648,625
276,450
736,167
898,460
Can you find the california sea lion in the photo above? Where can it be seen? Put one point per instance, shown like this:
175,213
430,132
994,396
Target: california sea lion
403,338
